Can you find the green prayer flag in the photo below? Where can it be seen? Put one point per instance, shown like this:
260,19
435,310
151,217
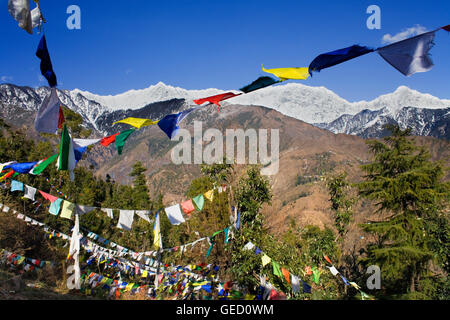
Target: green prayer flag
121,138
316,275
226,230
66,153
44,164
276,269
199,201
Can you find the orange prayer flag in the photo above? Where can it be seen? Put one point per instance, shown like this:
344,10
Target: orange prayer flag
286,275
187,206
328,259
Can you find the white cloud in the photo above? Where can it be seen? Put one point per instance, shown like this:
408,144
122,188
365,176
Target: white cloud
6,78
404,34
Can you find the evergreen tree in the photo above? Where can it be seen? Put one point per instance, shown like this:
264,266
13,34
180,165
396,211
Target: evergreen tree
407,185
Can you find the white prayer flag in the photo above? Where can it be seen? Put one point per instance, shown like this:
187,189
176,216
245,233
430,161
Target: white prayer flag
174,214
125,219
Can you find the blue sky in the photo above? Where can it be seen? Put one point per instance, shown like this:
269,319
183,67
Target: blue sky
199,44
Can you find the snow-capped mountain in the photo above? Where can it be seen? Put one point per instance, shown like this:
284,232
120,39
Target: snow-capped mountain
426,114
310,104
369,124
136,99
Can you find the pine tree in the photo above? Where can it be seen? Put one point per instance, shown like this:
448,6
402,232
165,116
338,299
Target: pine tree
407,185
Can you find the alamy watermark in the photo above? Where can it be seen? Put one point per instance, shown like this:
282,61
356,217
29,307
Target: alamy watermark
374,20
73,22
193,151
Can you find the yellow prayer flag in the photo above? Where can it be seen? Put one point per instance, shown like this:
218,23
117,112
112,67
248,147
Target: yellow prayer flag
156,233
289,73
209,195
67,209
265,259
137,122
144,274
129,287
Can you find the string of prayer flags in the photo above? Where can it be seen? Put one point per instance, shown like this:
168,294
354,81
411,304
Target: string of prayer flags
125,219
333,58
174,214
121,138
66,153
48,118
217,99
169,124
289,73
46,63
259,83
137,122
411,55
199,202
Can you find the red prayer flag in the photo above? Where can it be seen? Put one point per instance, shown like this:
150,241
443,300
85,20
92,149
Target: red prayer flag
217,98
48,197
108,140
187,206
446,28
61,118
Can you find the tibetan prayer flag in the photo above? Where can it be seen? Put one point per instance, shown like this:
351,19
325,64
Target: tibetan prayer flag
289,73
42,165
238,220
156,233
108,140
187,206
66,153
306,287
316,275
259,83
265,259
109,212
286,275
333,58
47,117
217,98
79,153
446,28
16,186
46,64
20,11
199,201
24,167
67,210
29,192
121,138
295,283
276,269
125,219
55,206
333,270
82,143
209,195
137,122
328,259
144,214
81,210
169,124
48,197
411,55
174,214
